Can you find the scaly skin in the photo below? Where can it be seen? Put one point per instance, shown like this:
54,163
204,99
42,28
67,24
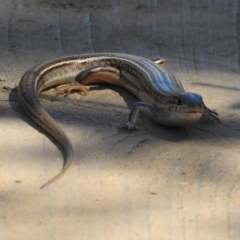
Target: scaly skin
161,94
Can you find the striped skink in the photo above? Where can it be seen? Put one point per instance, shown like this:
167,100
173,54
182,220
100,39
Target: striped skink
161,94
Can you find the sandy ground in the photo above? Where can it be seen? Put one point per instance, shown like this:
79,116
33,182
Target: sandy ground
155,183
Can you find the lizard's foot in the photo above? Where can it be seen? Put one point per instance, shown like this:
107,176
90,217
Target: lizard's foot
160,61
67,89
130,126
210,116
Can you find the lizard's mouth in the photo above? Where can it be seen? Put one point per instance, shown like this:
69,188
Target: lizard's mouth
196,110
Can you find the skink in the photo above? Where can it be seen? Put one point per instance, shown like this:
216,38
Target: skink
161,94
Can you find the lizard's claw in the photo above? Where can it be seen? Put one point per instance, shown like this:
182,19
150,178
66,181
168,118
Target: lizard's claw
130,126
68,89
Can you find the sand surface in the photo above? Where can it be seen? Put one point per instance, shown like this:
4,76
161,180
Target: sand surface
152,184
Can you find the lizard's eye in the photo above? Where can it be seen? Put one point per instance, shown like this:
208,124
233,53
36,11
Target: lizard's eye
176,101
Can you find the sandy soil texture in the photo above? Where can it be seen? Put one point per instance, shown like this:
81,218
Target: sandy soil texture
155,183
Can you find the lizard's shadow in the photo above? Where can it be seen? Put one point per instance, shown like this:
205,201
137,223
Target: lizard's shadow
172,134
146,124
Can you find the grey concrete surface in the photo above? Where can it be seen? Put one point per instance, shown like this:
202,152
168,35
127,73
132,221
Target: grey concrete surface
155,183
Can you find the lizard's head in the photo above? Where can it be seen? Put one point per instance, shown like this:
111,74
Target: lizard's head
186,108
182,109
